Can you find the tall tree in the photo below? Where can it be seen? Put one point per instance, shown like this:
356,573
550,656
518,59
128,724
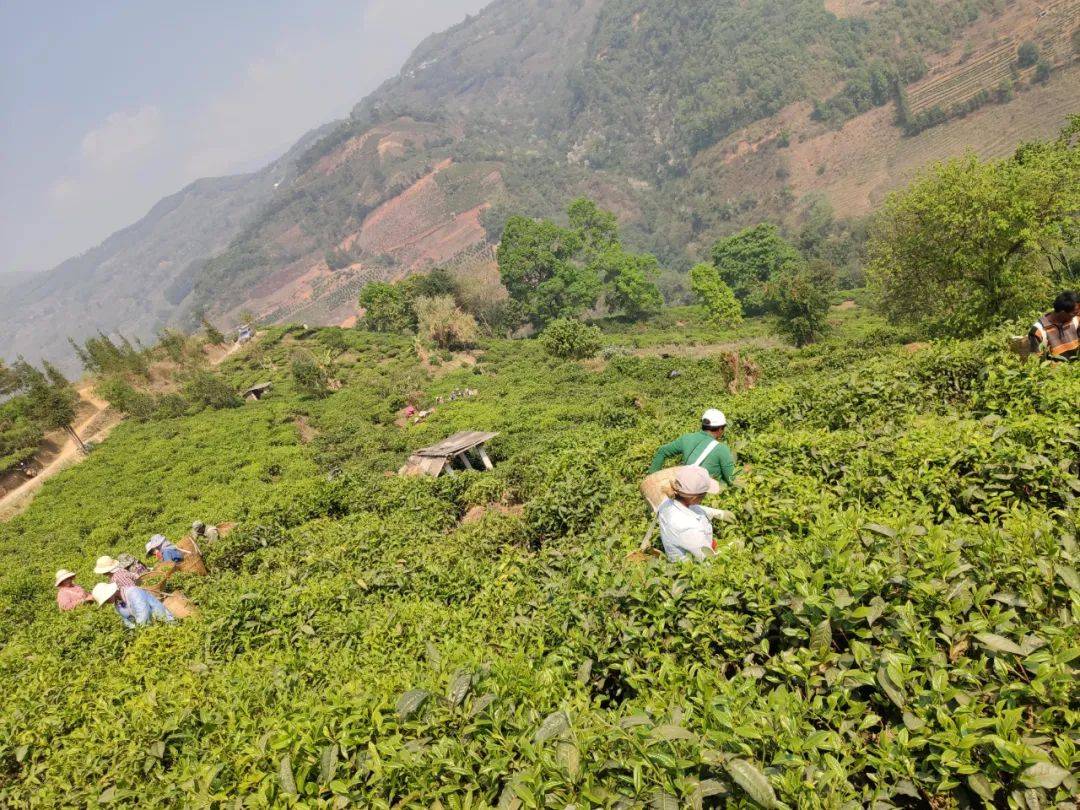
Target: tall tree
630,282
535,264
721,306
748,259
556,272
9,379
386,308
598,229
972,243
799,296
50,398
213,335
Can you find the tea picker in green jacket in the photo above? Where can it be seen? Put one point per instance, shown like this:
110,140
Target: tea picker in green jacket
704,448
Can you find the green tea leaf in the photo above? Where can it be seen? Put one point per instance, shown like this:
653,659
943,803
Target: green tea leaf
877,528
752,781
570,757
709,787
890,689
433,656
999,644
410,702
459,688
328,764
821,637
673,732
554,725
508,799
585,671
285,776
635,720
913,723
981,786
1068,575
481,703
1043,775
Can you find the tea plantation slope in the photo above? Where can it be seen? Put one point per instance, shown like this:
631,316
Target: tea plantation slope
892,620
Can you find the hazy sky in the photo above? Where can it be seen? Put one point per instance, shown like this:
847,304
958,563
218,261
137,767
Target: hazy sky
106,106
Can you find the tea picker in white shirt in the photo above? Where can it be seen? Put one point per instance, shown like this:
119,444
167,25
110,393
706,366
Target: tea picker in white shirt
685,525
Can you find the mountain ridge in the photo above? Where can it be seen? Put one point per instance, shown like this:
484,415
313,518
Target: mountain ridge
688,125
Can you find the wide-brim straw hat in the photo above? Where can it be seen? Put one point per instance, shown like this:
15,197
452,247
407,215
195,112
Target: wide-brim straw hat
105,565
694,481
103,592
154,542
62,576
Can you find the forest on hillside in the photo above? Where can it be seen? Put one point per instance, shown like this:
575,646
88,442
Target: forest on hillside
667,79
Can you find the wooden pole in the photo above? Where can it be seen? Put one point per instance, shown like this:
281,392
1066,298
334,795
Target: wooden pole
78,441
484,458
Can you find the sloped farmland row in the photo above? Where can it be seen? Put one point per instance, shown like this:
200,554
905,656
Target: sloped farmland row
959,87
1054,38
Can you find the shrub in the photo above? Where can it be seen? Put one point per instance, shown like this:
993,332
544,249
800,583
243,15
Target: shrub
386,308
311,377
1042,71
571,339
125,398
441,321
718,299
214,337
800,299
936,259
1027,54
172,342
206,389
748,259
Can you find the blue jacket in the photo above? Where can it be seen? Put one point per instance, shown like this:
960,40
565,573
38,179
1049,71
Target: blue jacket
140,607
170,553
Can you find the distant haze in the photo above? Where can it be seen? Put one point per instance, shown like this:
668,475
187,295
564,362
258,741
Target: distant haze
108,107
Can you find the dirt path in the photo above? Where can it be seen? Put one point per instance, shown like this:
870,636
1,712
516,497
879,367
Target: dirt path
96,427
93,428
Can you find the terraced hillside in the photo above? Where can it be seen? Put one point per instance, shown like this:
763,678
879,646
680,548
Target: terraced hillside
1051,26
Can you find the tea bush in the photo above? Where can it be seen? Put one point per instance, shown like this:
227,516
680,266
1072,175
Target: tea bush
892,622
571,339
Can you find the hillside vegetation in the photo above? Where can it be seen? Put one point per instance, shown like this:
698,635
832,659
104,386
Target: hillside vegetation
891,621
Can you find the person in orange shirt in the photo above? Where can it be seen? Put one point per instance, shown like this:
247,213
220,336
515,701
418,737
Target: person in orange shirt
1057,334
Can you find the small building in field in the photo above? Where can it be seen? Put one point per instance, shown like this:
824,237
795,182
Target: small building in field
256,392
440,458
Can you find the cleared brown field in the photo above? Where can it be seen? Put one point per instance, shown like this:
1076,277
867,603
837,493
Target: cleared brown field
869,157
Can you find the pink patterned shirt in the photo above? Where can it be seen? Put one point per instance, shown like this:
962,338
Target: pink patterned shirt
123,579
69,597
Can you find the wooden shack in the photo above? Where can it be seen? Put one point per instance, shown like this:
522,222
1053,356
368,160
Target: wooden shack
256,392
440,458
